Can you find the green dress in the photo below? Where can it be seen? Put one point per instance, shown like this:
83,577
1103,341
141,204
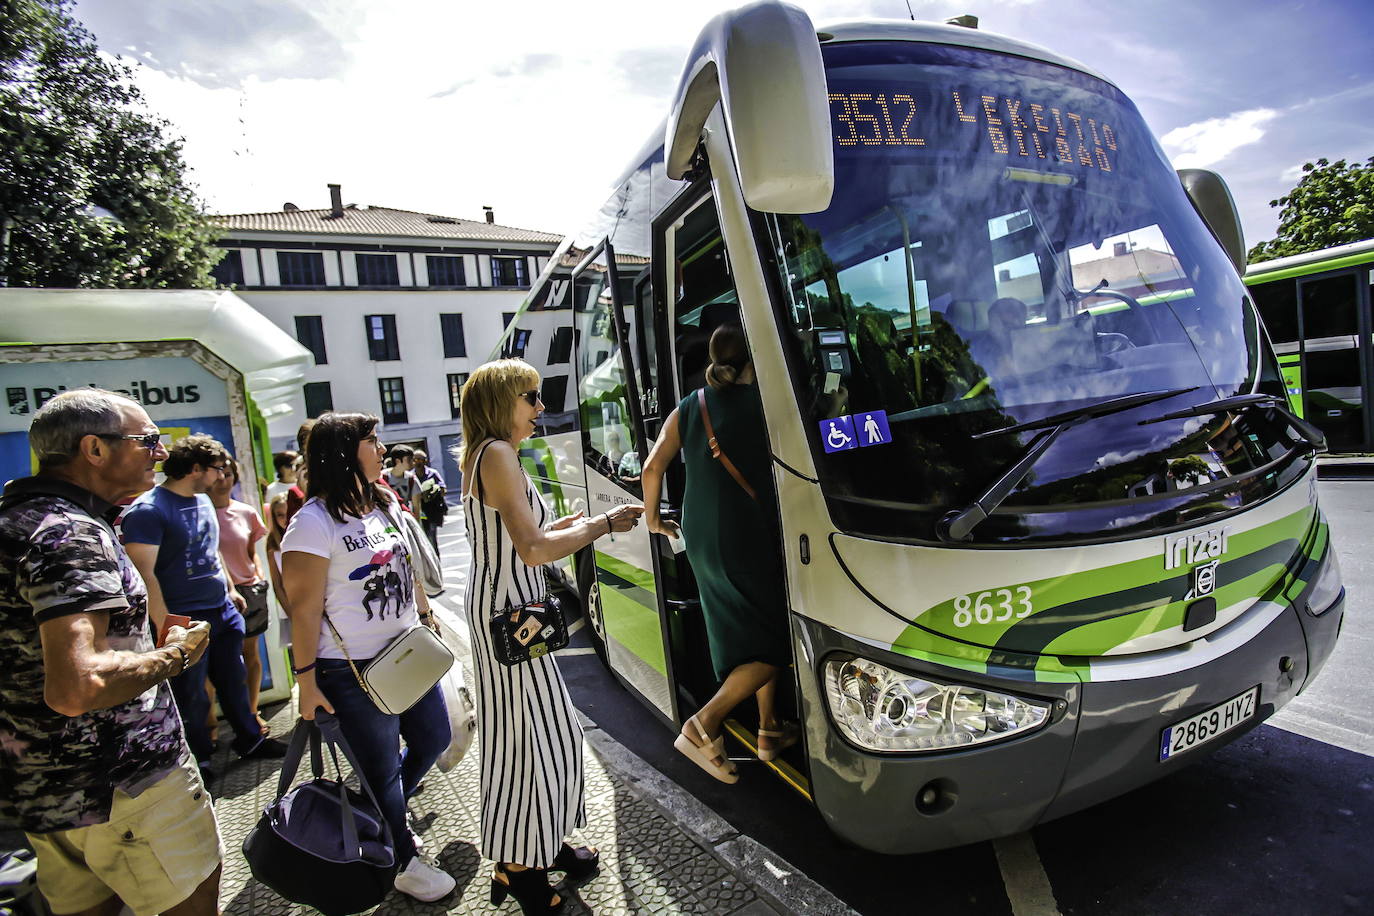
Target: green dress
733,542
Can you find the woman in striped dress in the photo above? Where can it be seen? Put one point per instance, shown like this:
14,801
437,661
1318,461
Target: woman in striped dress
531,773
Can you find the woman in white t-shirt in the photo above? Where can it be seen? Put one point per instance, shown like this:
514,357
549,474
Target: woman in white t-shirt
342,554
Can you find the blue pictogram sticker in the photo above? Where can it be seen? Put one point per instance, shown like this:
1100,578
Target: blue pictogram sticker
872,428
837,434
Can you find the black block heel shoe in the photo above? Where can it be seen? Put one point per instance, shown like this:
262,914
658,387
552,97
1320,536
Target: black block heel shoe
530,888
578,863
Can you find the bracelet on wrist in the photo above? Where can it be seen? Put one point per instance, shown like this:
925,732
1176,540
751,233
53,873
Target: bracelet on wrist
303,669
610,530
185,659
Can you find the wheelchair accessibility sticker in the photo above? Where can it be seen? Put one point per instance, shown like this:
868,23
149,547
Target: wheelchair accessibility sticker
840,434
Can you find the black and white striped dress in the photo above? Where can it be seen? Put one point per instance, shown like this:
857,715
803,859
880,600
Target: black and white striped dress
532,781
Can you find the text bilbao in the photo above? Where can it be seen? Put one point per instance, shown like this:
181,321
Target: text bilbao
1014,127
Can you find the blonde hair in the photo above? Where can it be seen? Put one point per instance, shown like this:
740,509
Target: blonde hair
488,398
274,531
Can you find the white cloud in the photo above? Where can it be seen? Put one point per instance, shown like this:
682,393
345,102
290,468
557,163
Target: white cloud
1206,143
1291,174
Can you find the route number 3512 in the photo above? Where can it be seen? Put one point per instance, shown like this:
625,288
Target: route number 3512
999,605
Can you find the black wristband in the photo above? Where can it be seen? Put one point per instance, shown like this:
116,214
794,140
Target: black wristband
299,671
185,659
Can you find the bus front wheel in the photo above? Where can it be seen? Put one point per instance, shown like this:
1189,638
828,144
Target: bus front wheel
589,592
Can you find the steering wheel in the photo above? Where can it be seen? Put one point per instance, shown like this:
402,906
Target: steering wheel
1109,342
1149,329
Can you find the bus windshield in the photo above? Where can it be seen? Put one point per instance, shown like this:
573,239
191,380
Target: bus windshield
1006,241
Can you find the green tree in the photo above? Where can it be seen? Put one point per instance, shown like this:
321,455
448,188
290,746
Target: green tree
93,191
1332,204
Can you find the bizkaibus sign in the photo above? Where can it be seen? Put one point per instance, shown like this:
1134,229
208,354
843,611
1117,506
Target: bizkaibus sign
180,394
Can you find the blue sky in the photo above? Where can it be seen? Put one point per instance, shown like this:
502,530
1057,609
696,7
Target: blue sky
535,107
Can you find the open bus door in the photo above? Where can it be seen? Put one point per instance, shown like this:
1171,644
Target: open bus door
618,578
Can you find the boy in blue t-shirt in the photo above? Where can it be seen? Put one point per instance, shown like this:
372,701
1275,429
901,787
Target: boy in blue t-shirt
172,535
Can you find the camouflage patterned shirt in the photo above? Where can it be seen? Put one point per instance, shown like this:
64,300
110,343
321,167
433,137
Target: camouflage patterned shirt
57,558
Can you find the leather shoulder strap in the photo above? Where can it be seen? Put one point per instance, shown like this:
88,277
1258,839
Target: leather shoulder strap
716,450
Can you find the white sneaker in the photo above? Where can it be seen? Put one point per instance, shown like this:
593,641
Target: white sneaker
424,882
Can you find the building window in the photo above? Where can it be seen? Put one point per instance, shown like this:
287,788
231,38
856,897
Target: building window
318,399
456,381
560,348
445,270
300,268
381,337
506,318
508,272
554,393
310,333
393,394
452,328
229,270
377,270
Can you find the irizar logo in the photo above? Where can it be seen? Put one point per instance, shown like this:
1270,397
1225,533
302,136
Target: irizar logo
1187,549
1205,547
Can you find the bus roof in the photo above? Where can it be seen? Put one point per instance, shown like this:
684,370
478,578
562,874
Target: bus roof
892,30
1311,262
941,34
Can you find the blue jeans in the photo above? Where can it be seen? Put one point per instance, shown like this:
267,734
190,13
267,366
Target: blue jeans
223,662
375,737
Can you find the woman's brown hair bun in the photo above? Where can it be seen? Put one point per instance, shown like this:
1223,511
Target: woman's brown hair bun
729,355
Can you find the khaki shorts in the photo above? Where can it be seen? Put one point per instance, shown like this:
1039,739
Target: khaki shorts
153,851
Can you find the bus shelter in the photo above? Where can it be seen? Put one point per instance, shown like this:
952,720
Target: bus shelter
199,361
1319,311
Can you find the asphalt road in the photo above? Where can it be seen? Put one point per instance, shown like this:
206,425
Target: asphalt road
1278,821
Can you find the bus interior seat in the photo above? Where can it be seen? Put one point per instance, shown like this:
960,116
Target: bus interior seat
693,342
965,317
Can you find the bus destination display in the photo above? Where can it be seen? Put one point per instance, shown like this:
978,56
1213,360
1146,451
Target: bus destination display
1013,127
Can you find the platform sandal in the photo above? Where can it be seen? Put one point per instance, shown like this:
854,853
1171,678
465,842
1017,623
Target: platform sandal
530,888
781,739
577,863
709,755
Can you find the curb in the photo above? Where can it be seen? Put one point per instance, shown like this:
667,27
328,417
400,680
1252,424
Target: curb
772,877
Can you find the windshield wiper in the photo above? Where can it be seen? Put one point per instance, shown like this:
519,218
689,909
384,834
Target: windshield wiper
958,524
1309,433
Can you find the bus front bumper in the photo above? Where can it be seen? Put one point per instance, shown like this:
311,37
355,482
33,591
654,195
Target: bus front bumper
1103,738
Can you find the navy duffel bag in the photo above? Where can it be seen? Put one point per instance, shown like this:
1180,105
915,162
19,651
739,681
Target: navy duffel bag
323,844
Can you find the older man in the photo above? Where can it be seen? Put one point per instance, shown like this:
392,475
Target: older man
93,762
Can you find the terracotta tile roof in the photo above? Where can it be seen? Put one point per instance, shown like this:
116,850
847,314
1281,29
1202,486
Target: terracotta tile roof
384,221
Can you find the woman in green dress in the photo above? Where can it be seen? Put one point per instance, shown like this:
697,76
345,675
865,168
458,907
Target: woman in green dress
730,525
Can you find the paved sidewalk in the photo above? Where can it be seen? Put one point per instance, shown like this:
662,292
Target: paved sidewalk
649,864
662,851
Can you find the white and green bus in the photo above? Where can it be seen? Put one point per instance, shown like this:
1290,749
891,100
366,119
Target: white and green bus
1317,309
1078,542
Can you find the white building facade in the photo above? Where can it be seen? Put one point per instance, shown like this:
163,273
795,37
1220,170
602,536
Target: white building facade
396,306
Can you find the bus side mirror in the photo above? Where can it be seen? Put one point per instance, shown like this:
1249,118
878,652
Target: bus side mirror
762,63
1213,202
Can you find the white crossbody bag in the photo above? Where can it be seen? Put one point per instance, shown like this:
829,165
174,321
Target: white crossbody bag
404,671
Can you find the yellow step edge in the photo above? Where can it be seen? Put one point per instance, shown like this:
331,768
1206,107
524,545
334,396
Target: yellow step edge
784,769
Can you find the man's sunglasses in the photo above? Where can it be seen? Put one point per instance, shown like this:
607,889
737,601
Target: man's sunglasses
531,397
147,440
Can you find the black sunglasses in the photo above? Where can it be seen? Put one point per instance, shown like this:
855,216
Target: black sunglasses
531,397
147,440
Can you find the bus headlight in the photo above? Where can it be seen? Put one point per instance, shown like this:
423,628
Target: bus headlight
885,710
1327,588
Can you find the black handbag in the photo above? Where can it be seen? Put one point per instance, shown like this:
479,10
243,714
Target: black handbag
321,843
525,631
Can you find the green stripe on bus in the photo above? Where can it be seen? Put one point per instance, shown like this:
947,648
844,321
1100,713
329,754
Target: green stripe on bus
1097,637
1317,267
632,574
634,625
